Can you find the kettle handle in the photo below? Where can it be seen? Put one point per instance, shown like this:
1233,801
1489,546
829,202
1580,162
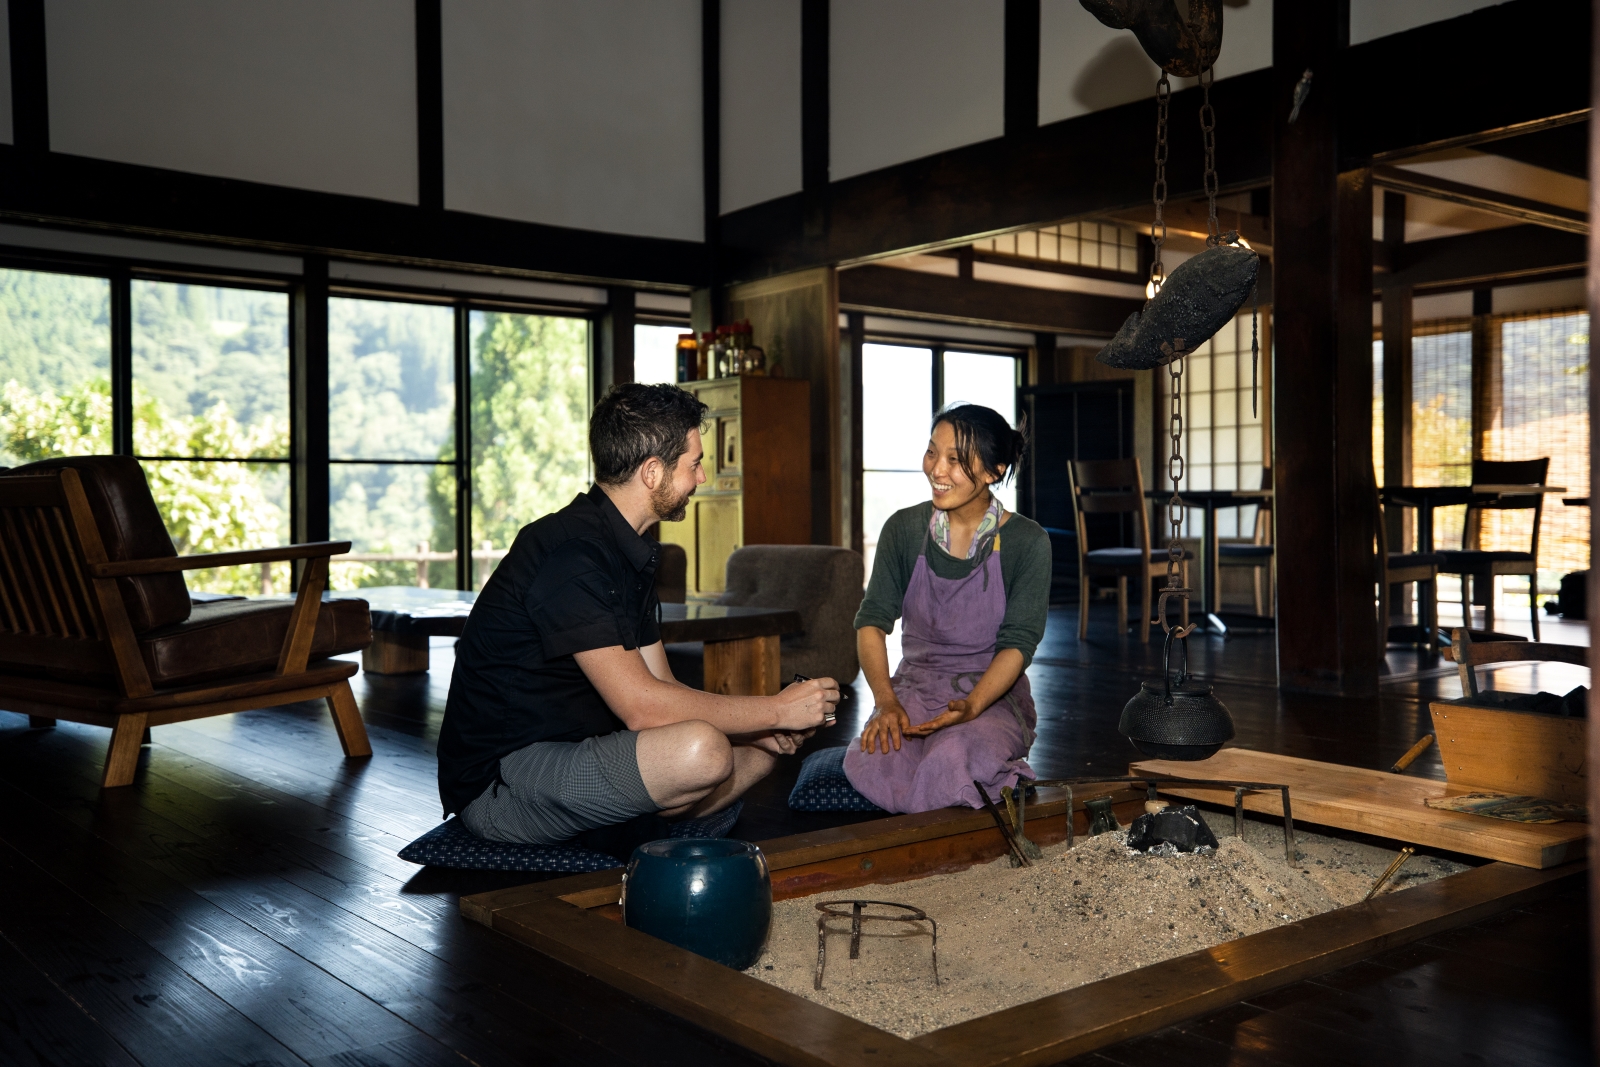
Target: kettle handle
1166,665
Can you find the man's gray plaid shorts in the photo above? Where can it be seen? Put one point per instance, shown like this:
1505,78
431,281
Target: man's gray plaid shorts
554,790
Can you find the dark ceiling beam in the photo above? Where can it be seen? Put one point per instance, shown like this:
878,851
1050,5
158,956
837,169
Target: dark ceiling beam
80,193
1489,200
879,290
1503,256
1495,73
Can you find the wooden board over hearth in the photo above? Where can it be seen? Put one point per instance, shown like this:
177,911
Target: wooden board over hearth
1374,802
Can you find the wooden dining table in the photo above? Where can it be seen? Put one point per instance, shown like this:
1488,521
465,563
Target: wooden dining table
1209,501
741,643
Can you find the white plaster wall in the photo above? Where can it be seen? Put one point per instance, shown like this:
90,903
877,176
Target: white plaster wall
760,101
576,114
5,73
1087,66
909,78
1379,18
305,93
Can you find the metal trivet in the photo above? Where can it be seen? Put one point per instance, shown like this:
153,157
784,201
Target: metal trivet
856,915
1150,784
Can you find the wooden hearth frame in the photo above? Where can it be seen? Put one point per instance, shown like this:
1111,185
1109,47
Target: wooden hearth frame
646,1001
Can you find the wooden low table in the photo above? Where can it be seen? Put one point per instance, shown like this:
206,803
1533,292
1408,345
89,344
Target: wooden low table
632,995
741,643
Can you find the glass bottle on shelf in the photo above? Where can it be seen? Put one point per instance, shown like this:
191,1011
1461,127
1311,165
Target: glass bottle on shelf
688,357
708,355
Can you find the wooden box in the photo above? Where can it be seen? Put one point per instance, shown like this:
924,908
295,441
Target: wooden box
758,475
1523,753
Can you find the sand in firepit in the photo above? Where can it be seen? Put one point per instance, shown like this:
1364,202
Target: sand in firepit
1011,935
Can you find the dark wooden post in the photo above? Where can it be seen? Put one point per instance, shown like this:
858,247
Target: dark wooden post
1594,573
1322,375
1397,400
854,341
308,413
614,354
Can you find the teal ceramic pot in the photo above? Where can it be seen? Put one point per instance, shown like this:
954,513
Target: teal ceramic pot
712,896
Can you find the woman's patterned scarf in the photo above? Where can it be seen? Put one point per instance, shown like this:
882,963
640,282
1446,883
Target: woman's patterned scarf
939,527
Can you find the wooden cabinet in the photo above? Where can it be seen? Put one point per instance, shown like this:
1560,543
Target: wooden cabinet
757,438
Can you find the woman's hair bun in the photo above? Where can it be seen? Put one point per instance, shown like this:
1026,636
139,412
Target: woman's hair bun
984,439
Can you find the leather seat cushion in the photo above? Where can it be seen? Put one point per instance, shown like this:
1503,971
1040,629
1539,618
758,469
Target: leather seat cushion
130,528
1128,557
1244,551
224,637
1468,560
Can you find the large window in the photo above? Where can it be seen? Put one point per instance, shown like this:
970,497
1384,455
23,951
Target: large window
55,366
211,421
900,393
391,441
1540,407
530,408
655,353
1223,438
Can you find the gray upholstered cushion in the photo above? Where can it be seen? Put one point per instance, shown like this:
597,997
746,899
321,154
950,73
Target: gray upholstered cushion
823,583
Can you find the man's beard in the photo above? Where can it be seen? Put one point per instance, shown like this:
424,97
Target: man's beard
668,506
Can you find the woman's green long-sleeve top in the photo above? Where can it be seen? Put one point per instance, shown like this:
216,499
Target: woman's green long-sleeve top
1024,567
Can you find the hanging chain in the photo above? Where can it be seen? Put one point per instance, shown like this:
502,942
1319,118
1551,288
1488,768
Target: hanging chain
1158,230
1175,472
1208,133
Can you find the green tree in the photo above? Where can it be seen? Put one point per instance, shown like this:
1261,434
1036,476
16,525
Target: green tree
529,418
207,506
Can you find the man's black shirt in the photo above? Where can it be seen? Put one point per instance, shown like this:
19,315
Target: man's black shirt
576,580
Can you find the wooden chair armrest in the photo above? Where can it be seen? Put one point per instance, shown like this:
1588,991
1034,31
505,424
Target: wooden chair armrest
171,564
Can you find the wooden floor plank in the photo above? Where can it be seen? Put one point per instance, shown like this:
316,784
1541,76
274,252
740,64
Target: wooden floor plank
146,1003
40,1026
407,1052
300,1005
419,988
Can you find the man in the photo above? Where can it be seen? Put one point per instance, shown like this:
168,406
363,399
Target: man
564,723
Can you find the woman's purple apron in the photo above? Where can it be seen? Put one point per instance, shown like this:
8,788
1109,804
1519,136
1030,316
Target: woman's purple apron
949,627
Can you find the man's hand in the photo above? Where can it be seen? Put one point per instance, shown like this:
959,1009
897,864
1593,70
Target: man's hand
782,742
960,711
888,722
803,705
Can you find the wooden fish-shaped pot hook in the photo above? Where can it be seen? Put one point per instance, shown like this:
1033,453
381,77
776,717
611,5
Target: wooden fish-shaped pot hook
1181,47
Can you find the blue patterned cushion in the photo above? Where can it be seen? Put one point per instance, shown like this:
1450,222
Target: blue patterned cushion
451,844
823,786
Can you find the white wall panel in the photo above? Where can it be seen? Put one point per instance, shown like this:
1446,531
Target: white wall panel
912,77
760,101
306,93
1379,18
1085,65
576,114
5,73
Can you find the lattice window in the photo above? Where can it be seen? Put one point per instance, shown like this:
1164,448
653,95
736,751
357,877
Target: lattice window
1105,245
1223,441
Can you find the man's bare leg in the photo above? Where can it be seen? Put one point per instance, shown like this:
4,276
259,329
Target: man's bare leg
682,764
750,765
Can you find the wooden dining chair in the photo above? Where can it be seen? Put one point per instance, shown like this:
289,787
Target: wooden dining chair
1116,487
1398,568
1258,553
1479,568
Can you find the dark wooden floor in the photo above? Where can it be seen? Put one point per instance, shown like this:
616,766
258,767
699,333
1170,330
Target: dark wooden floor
242,902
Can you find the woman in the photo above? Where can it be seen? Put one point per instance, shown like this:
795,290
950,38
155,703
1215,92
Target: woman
959,708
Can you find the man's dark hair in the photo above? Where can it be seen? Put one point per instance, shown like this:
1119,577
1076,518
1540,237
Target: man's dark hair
634,422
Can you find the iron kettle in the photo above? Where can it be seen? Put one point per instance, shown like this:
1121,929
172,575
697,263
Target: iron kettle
1180,719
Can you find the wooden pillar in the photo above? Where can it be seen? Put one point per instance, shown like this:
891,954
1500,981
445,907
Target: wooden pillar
1325,509
613,362
854,341
1043,371
1398,327
308,418
1594,573
1486,378
796,320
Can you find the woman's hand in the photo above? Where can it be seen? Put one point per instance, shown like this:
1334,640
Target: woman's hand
889,721
960,711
